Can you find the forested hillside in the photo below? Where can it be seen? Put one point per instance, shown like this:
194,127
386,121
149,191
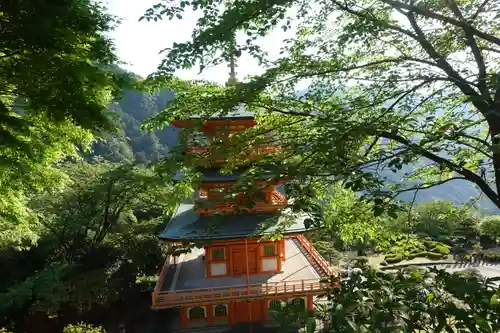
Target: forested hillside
131,143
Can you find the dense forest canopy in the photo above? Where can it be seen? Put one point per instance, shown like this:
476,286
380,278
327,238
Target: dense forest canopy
79,209
378,73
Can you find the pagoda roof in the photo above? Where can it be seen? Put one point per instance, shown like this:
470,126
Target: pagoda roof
239,112
189,225
213,175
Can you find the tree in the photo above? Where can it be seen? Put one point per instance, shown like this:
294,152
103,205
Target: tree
349,221
490,226
391,83
442,220
102,225
56,82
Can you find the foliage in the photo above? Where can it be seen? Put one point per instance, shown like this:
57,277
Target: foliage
102,225
391,84
55,88
490,226
412,300
294,316
348,220
130,143
404,246
442,220
82,328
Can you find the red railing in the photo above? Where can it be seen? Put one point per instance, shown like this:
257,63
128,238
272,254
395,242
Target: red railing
220,158
277,197
325,266
166,266
165,299
277,201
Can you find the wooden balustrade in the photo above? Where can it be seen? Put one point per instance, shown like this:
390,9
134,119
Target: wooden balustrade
277,197
277,202
220,158
165,299
325,266
166,266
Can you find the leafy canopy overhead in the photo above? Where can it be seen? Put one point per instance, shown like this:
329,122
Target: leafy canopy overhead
391,83
56,83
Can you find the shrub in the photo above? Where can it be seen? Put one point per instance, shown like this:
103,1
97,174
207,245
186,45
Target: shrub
486,241
491,256
465,256
442,249
418,254
82,328
490,226
434,256
394,259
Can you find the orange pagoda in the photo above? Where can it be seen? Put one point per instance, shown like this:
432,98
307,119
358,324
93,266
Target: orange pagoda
239,274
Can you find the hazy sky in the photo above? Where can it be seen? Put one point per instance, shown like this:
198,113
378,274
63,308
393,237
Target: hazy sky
138,43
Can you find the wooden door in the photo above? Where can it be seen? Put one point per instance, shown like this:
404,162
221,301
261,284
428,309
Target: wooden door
252,260
239,263
242,311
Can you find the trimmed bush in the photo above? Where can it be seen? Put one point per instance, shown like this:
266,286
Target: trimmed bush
444,250
434,256
393,259
491,256
422,254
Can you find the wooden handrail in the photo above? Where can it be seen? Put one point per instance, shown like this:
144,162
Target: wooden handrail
220,158
165,299
231,206
325,266
163,274
280,198
179,297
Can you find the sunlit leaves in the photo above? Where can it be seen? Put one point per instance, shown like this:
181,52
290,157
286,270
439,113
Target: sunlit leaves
374,74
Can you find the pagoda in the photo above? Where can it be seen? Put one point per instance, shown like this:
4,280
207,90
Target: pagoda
238,273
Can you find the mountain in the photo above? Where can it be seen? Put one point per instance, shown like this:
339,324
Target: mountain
131,143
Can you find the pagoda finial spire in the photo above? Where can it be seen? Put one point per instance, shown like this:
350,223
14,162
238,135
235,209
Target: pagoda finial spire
232,62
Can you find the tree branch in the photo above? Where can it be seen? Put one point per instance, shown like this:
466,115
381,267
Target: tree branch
469,175
430,14
425,187
475,51
445,66
479,9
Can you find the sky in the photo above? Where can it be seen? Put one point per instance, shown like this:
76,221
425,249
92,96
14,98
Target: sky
139,43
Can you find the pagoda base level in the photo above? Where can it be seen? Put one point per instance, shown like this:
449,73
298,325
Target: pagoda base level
230,314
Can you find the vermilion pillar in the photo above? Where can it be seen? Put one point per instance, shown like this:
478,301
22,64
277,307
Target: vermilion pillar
210,315
184,319
310,304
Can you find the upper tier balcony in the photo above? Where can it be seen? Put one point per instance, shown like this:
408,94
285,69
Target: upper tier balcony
275,201
217,159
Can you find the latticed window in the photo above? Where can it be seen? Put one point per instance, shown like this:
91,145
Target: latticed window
218,254
299,302
196,312
220,310
275,304
270,250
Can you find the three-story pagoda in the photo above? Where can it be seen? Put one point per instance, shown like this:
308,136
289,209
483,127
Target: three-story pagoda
239,274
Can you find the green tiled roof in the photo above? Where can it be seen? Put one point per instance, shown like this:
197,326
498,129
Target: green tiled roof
239,112
186,224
